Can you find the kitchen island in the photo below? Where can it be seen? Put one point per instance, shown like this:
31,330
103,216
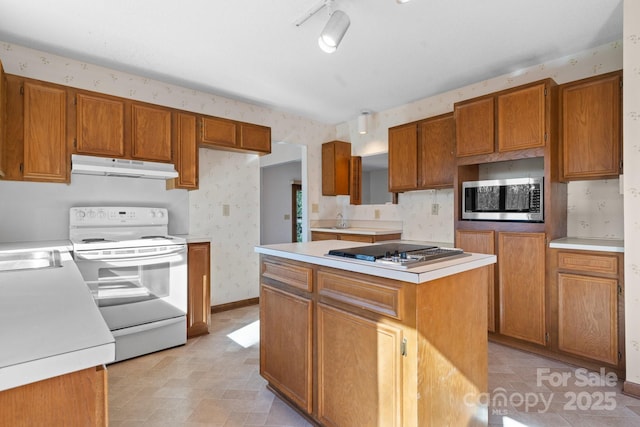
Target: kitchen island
348,342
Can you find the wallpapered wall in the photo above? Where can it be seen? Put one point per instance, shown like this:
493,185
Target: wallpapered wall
631,135
594,207
226,178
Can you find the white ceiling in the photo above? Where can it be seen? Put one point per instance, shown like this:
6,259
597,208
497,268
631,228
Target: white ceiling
251,50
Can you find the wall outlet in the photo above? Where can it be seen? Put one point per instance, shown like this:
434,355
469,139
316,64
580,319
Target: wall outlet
225,210
287,217
315,208
376,214
435,208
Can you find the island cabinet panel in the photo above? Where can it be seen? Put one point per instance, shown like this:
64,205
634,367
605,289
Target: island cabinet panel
403,162
100,124
199,289
286,322
590,123
475,130
521,118
521,271
151,133
483,242
75,399
352,389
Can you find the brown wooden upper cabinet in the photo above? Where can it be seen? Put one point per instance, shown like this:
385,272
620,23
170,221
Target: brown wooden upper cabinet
591,122
237,136
36,134
335,168
3,117
510,120
100,125
186,160
355,183
151,132
421,154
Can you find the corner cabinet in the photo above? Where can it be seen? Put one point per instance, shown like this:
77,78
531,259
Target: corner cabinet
199,289
591,123
186,160
36,136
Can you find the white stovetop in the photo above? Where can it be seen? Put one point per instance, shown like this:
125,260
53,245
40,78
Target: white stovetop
316,253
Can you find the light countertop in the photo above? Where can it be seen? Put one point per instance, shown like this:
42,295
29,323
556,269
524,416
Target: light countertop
357,230
584,244
49,322
315,253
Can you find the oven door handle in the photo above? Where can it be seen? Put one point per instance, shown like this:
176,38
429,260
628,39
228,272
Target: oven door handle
123,254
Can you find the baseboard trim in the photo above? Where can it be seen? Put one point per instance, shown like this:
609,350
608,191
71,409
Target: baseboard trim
631,389
233,305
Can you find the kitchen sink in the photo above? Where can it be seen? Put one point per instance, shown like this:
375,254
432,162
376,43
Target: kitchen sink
29,260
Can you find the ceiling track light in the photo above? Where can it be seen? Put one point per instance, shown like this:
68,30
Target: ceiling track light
334,30
362,122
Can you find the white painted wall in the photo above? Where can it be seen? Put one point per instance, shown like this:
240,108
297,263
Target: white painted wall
276,201
631,136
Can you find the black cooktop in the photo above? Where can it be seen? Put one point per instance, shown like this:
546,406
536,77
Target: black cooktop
373,252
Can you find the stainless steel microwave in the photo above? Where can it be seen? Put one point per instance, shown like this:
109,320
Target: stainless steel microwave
514,199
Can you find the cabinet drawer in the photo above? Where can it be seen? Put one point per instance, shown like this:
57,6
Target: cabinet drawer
293,275
379,298
605,264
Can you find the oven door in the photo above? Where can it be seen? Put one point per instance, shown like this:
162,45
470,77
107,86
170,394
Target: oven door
136,286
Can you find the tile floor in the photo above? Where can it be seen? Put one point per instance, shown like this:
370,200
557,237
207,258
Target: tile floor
214,381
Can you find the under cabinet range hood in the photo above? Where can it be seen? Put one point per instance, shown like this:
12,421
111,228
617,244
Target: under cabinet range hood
90,165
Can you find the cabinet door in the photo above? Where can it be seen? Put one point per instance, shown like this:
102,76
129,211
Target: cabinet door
590,124
3,118
218,132
521,118
588,317
100,125
151,133
350,348
482,242
335,168
355,180
199,291
285,344
437,161
403,153
475,132
521,269
45,135
255,138
186,152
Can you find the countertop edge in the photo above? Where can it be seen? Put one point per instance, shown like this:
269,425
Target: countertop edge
357,230
585,244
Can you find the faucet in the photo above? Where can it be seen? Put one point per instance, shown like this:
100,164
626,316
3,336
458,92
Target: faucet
340,222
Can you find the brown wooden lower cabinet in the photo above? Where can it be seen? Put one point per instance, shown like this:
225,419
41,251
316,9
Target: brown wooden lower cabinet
199,291
353,349
365,238
75,399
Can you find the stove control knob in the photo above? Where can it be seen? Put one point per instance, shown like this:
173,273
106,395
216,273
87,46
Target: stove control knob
92,214
152,214
403,255
101,214
160,214
80,214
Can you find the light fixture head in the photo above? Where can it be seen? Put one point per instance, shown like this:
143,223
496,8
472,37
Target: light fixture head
362,123
334,31
402,1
